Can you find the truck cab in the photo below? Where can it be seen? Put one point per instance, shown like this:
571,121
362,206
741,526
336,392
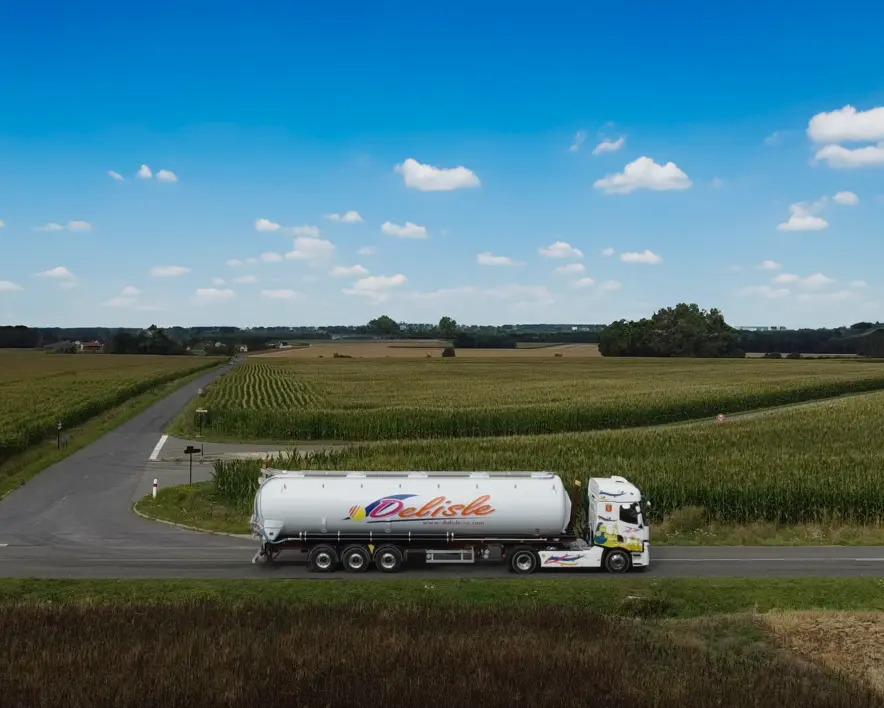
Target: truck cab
616,517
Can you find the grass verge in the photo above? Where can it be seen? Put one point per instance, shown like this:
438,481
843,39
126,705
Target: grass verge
18,469
201,507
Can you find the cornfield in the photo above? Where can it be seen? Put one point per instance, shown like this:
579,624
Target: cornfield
820,463
404,399
39,390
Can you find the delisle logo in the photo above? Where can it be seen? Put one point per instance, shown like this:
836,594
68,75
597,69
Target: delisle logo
391,508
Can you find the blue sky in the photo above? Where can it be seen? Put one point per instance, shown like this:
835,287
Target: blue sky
287,113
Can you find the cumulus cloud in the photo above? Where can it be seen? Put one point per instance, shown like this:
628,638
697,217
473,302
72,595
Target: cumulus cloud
59,272
341,271
271,257
846,199
489,259
766,291
130,291
803,218
350,217
560,249
579,139
49,227
375,287
644,173
844,158
847,125
282,294
607,252
7,286
305,230
233,262
810,282
168,271
609,146
115,175
263,224
582,283
427,178
645,256
217,282
571,268
769,265
144,172
70,226
858,284
210,295
409,230
167,176
310,249
367,251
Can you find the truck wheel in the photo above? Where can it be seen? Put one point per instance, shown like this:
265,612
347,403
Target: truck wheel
323,559
388,559
524,561
617,561
356,559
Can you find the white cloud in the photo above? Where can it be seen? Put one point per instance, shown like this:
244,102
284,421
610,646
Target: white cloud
610,285
310,249
837,296
233,262
846,199
305,230
775,138
120,301
350,217
49,227
167,176
115,175
609,146
644,173
571,268
59,272
844,158
168,271
271,257
427,178
217,282
766,291
560,249
266,225
858,284
607,252
7,286
282,294
846,125
340,271
801,218
810,282
209,295
130,291
645,256
79,226
245,279
374,287
408,231
367,251
583,283
579,139
769,265
144,172
489,259
2,224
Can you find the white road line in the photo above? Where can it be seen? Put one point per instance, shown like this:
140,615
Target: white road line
3,545
159,446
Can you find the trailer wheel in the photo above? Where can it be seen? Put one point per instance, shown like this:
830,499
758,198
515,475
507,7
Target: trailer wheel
356,559
322,559
388,559
524,561
617,561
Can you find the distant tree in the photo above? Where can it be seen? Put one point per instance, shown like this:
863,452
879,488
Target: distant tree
383,325
447,327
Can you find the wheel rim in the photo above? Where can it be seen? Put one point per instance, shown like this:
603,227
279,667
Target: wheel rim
388,561
356,561
617,561
323,560
524,562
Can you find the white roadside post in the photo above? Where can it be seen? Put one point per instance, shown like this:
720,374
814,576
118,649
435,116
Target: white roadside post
154,489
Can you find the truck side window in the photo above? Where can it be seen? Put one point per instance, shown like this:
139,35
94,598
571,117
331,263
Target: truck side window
629,514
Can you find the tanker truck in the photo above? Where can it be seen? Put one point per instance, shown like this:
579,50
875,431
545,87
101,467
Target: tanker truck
356,520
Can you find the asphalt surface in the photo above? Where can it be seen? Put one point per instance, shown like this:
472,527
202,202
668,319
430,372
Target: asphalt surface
74,520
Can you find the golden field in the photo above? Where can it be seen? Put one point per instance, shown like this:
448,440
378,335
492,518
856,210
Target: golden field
421,349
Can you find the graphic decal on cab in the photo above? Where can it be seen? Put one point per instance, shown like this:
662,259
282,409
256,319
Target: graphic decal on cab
391,508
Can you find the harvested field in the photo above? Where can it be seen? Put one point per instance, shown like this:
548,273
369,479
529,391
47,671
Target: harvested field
214,653
419,348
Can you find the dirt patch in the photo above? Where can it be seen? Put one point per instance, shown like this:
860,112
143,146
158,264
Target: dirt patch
852,642
419,349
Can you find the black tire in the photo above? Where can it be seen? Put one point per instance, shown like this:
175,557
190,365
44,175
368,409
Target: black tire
388,559
524,561
322,559
617,561
356,559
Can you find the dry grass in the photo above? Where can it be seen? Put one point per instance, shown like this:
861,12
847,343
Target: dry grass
420,349
850,642
214,653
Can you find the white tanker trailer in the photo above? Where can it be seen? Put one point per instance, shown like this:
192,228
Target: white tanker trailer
526,519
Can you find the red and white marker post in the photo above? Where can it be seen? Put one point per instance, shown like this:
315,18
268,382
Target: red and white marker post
154,489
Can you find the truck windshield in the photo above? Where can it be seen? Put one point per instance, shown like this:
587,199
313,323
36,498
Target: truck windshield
629,514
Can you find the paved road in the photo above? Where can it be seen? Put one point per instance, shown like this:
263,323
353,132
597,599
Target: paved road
74,520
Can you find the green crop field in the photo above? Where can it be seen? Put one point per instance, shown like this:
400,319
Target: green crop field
38,389
341,399
817,463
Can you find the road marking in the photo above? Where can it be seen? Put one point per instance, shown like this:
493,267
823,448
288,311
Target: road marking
3,545
159,446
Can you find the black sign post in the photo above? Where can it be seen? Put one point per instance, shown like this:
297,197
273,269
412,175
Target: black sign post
189,450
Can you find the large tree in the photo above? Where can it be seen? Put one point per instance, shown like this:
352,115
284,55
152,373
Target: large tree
383,325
